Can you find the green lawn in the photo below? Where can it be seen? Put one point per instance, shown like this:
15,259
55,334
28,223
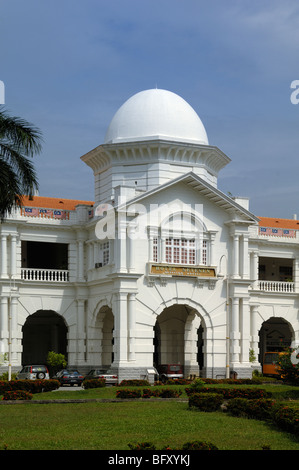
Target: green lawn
112,426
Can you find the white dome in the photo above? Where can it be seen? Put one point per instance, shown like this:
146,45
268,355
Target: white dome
156,114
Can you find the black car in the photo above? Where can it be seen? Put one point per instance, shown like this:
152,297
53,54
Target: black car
69,377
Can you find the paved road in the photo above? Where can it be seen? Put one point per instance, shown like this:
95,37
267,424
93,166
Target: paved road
71,389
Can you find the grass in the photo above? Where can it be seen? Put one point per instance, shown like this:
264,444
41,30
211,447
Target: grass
112,426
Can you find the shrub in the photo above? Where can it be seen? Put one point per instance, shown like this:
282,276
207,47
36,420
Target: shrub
4,376
205,401
175,382
169,393
148,393
142,446
32,386
196,386
56,361
93,383
258,409
289,371
17,395
286,418
127,393
199,445
133,382
192,445
229,393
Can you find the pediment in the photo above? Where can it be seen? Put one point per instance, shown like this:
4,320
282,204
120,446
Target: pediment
205,189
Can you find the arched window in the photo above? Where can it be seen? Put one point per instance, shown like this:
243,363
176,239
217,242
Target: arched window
180,241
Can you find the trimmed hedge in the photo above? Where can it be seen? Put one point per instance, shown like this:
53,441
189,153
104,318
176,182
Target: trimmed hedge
284,417
206,401
17,395
31,386
148,393
93,383
258,409
126,393
191,445
229,393
134,382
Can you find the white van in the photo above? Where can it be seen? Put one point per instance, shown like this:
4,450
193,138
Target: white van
33,372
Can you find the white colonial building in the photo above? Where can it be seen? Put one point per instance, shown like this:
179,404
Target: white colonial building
162,267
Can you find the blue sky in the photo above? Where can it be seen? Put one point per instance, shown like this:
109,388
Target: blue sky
69,65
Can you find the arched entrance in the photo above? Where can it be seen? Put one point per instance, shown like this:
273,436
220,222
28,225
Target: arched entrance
43,331
275,335
178,338
105,326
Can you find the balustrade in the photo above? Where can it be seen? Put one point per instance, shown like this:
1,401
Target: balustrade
276,286
47,275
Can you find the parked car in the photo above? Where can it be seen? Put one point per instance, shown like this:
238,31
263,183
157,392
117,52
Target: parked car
69,377
111,379
170,372
33,372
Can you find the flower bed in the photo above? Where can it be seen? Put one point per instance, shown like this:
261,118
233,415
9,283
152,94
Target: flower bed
17,395
32,386
134,382
148,393
127,393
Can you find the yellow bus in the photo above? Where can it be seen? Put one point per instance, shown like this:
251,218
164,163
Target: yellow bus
270,367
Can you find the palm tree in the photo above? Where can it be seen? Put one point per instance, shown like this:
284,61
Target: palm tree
19,140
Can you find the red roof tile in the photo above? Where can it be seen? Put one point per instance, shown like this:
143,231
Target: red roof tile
53,202
281,223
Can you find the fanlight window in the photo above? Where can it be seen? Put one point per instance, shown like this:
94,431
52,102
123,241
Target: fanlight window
181,239
180,251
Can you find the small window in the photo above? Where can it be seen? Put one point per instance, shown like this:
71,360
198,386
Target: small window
105,253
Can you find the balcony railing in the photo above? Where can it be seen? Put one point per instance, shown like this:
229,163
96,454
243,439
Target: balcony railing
276,286
46,275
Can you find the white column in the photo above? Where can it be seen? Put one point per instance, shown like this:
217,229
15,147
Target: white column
131,257
254,331
211,260
14,329
4,256
80,330
80,260
4,324
131,326
236,256
245,331
235,334
122,246
13,255
245,267
121,329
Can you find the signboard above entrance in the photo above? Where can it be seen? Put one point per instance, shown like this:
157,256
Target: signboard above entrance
190,271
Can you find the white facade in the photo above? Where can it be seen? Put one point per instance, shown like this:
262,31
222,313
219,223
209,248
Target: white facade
164,268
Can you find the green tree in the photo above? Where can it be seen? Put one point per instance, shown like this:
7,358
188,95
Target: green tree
56,361
19,141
